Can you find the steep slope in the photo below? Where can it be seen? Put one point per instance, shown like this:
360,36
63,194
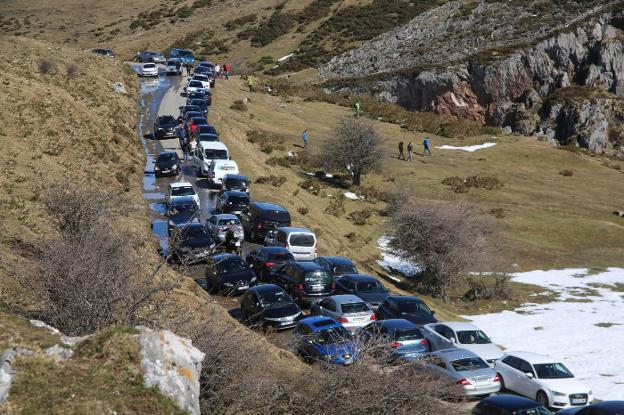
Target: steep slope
501,64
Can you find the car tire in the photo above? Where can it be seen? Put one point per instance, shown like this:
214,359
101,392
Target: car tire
542,398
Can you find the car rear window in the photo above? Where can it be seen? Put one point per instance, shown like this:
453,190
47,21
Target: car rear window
281,256
149,65
182,191
276,215
468,364
215,154
235,182
207,129
344,269
228,267
317,277
208,137
228,221
301,239
324,323
407,334
238,199
349,308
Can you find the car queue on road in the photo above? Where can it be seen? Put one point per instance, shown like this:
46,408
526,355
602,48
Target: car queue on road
332,309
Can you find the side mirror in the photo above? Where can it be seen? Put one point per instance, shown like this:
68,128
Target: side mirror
529,375
432,312
453,340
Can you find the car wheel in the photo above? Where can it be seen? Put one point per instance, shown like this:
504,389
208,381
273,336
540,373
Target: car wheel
542,399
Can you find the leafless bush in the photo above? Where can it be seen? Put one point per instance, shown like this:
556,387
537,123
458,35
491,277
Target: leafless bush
72,71
354,147
481,288
47,66
446,240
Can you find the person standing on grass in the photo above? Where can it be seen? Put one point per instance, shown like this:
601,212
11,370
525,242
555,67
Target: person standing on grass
250,82
357,108
217,71
305,136
426,144
401,154
410,151
227,71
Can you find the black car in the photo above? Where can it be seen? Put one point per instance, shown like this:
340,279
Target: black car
601,408
195,121
167,164
207,129
188,115
265,260
207,137
337,265
509,405
228,274
104,52
184,109
306,282
260,217
206,96
268,305
366,287
232,202
407,307
191,243
236,182
165,126
199,103
182,211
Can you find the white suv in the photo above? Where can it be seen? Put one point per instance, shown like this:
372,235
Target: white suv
149,69
542,378
180,189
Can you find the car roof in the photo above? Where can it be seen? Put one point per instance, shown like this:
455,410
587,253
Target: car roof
401,298
224,216
346,298
181,200
337,260
397,323
167,153
268,206
511,402
275,250
221,257
235,193
359,277
453,354
160,117
610,405
308,265
235,176
533,358
180,184
266,288
214,145
459,325
316,323
290,229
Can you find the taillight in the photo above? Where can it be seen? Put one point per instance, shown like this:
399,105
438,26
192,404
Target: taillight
300,287
395,345
260,225
425,342
269,264
464,382
213,175
373,317
333,285
496,379
343,319
286,245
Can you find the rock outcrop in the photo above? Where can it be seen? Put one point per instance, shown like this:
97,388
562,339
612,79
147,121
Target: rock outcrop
516,84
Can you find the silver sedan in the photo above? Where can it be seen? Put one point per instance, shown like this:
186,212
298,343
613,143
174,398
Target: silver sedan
217,225
350,310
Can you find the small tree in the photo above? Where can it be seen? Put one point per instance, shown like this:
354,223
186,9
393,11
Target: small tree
354,147
446,240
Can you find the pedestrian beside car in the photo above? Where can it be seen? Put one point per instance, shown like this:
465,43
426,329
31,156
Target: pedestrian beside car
410,151
401,154
227,71
217,69
181,133
185,149
305,136
192,145
178,65
426,144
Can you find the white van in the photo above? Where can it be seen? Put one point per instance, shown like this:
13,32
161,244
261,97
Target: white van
219,168
300,242
205,153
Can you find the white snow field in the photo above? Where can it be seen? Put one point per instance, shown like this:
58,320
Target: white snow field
584,328
393,262
470,149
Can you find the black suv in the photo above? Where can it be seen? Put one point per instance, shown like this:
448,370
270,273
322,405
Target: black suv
306,282
228,274
336,265
232,202
167,164
165,126
267,259
199,103
235,182
407,307
260,217
268,305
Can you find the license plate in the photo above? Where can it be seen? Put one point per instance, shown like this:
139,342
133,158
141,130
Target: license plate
166,171
579,401
316,287
237,243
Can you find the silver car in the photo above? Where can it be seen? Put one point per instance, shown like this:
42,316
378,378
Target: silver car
452,334
351,311
467,370
217,225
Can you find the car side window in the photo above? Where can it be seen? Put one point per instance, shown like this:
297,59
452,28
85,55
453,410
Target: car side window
326,303
348,284
213,220
525,367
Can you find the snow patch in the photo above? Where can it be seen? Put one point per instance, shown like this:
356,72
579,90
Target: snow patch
352,196
393,262
470,149
584,328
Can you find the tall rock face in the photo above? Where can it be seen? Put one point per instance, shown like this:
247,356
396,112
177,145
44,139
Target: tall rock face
566,85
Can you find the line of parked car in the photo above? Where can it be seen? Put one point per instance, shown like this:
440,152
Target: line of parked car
333,310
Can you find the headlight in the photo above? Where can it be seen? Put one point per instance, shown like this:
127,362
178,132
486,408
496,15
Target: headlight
156,168
347,356
228,284
175,166
559,394
253,279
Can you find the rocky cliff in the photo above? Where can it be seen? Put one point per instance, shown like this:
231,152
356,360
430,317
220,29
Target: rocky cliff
528,71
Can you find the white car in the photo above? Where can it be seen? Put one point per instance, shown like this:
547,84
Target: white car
467,336
219,168
195,86
148,69
542,378
351,311
172,67
300,242
180,189
205,153
203,79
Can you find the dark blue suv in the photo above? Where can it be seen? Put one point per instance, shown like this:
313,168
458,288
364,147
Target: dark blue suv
324,339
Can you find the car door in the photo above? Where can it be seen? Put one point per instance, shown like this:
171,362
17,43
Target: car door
327,308
211,226
443,337
281,277
345,286
527,386
384,310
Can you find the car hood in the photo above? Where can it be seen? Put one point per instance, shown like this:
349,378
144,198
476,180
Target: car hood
336,349
567,386
488,351
165,164
168,126
281,310
245,275
197,243
419,318
376,298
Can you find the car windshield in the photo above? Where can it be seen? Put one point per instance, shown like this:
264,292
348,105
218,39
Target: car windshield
281,256
194,232
302,239
413,307
182,191
370,287
198,120
344,269
171,63
238,199
276,215
149,65
359,307
186,54
184,208
198,102
196,84
533,411
207,129
166,157
552,371
404,335
235,183
275,297
215,154
468,364
472,337
167,119
231,221
231,265
317,277
191,108
333,335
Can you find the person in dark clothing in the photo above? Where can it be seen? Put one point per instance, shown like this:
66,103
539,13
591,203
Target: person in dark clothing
401,154
181,135
426,146
178,67
410,151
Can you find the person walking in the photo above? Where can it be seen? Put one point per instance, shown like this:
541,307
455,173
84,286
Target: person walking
185,149
410,151
227,71
181,133
192,146
217,71
357,108
305,136
250,82
178,65
426,144
401,154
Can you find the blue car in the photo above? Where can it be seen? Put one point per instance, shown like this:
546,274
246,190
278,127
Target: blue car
324,339
405,338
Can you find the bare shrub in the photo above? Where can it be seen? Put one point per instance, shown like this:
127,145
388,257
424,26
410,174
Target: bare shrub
239,105
275,181
303,210
359,217
498,213
354,147
47,66
482,288
336,206
72,71
461,185
446,240
310,185
566,173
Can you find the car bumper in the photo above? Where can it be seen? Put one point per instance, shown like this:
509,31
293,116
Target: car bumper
309,300
165,133
167,172
304,257
478,390
281,325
